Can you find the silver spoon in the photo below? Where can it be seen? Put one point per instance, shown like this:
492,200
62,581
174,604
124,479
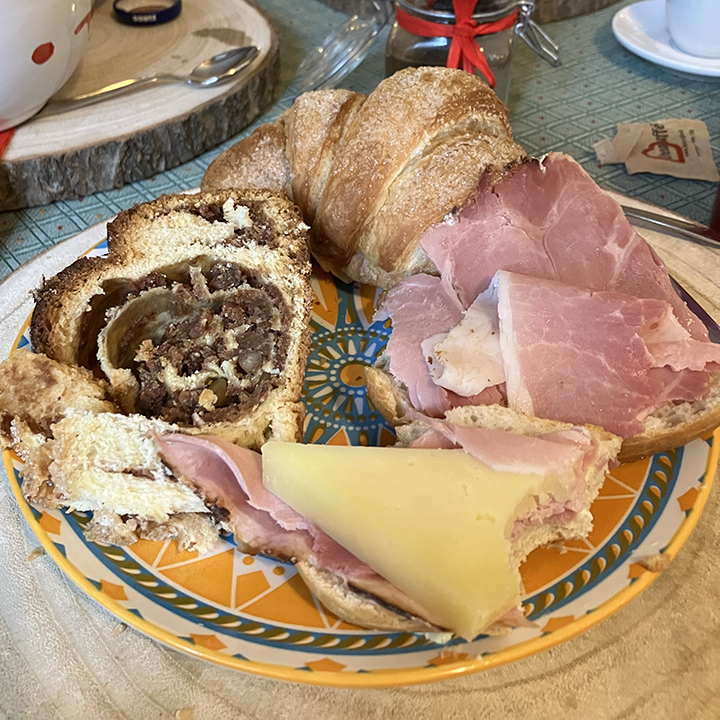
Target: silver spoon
213,71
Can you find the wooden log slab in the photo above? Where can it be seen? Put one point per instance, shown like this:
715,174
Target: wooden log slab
129,138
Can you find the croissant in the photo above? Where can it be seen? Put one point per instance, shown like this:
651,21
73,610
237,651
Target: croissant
372,173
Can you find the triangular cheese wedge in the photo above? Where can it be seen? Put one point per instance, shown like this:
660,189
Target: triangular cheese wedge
435,523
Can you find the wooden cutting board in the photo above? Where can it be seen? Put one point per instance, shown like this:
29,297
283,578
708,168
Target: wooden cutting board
151,130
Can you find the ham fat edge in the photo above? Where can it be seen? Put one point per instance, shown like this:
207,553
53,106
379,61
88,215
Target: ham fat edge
550,303
229,477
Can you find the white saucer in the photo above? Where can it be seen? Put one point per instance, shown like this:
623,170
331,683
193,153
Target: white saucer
641,29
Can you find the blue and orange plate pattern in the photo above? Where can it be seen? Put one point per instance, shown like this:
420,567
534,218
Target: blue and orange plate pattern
256,615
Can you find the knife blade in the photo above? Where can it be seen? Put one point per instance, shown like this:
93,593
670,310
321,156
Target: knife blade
712,327
672,226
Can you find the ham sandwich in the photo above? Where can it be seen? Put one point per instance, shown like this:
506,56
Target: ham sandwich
550,303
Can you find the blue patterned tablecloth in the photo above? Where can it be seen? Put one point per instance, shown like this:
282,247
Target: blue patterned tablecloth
567,108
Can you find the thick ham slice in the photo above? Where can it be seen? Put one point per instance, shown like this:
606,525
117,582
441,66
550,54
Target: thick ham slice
548,219
604,358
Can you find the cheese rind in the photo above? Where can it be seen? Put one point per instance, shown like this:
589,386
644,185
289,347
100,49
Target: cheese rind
435,523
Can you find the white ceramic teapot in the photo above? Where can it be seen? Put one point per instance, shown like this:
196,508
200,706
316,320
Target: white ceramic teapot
41,43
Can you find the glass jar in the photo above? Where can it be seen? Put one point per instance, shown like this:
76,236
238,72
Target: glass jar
405,49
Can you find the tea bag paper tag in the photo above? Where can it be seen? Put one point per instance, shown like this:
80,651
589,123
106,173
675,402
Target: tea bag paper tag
606,152
680,148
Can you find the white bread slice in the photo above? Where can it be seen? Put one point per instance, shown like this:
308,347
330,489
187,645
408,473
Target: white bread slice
668,427
35,393
107,463
447,530
198,315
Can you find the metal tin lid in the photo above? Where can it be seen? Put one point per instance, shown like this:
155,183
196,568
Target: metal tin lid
441,11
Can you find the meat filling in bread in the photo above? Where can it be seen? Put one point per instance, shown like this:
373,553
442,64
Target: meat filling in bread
203,342
198,314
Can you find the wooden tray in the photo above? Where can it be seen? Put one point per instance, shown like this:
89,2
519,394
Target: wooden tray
133,137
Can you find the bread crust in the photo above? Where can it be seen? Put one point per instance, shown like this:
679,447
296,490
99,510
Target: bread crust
357,607
675,425
39,392
667,428
259,162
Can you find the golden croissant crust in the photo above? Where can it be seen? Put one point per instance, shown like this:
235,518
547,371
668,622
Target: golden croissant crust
371,174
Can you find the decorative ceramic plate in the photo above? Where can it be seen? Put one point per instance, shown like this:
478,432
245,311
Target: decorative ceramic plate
255,614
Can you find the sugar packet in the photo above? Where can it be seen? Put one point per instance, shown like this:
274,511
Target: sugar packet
680,148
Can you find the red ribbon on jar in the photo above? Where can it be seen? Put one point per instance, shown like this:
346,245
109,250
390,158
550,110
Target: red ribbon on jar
5,138
463,48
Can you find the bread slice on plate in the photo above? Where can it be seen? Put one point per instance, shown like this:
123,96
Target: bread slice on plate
81,453
444,519
670,426
199,314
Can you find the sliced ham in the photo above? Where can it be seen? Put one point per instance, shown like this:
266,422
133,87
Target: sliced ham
604,358
230,477
548,219
227,471
504,451
566,353
420,307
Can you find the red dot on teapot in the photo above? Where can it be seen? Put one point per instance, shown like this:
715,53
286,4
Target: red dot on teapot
43,53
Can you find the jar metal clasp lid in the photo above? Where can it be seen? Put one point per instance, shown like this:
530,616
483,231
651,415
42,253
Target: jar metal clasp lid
535,36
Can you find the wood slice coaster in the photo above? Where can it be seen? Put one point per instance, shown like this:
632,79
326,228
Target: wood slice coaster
132,137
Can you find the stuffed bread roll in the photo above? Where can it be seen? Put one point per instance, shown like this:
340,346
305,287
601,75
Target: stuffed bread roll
198,315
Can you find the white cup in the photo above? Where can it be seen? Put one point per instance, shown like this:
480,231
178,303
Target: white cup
694,26
41,43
